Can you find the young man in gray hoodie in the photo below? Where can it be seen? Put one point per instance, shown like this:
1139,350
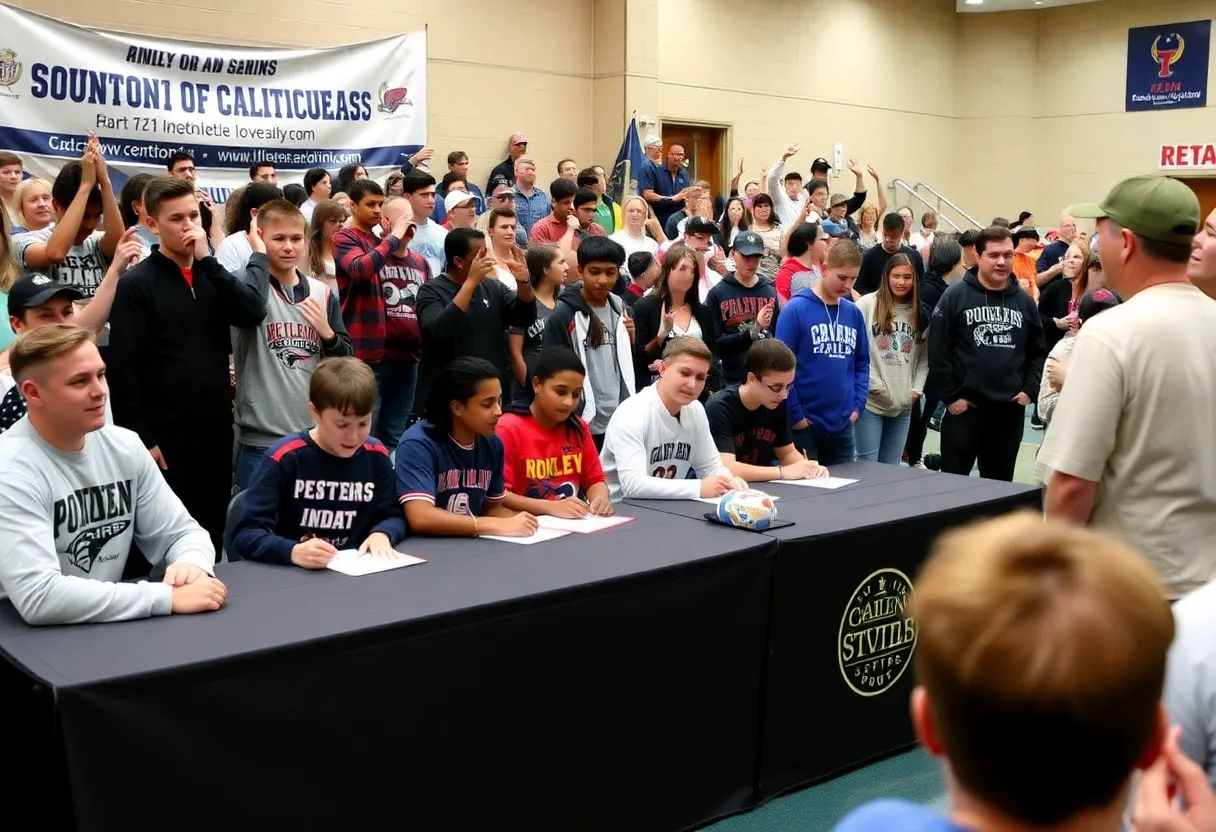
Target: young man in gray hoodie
78,492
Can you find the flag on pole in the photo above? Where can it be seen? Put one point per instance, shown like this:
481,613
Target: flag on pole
623,181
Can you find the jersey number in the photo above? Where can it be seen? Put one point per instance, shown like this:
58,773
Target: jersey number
458,503
668,473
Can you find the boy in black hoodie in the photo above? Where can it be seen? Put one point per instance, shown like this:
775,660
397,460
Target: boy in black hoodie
744,306
169,348
595,323
986,354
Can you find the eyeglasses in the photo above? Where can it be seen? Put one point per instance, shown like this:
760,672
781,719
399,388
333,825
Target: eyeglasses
520,144
777,389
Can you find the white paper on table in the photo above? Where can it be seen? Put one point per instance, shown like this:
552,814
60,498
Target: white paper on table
713,501
826,482
538,536
580,525
350,562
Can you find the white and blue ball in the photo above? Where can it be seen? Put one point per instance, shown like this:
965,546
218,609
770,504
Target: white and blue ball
747,509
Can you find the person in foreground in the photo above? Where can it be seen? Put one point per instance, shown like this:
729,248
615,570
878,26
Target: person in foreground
550,464
77,493
750,423
450,464
1040,660
329,488
658,444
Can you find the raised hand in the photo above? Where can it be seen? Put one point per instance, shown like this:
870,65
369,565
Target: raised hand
765,316
873,173
855,166
517,265
254,235
196,239
789,151
739,167
128,252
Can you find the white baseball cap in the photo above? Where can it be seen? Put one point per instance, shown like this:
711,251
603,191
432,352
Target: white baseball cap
455,199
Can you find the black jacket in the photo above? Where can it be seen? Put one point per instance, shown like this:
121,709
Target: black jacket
503,174
169,345
874,261
1053,303
985,346
931,290
647,318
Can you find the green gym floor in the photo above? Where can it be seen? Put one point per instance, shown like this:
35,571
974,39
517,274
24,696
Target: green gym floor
911,776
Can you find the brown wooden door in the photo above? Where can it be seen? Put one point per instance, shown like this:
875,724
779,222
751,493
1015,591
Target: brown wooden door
1204,188
703,150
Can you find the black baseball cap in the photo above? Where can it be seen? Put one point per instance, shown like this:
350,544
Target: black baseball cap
748,243
32,290
820,164
699,225
1099,300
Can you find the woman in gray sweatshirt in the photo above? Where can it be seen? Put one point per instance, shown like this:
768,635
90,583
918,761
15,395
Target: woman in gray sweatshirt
899,361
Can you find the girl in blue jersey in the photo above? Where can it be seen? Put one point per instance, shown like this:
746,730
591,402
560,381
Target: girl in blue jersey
450,464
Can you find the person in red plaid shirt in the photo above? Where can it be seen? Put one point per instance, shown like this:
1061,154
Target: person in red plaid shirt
378,281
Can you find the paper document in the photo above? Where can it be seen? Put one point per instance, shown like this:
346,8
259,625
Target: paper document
713,501
350,562
827,482
580,525
539,536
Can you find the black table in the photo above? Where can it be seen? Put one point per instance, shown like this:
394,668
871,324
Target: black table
609,681
837,681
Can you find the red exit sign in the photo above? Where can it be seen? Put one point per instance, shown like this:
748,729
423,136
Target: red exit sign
1187,157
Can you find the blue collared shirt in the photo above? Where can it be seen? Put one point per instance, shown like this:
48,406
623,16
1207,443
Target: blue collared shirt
530,209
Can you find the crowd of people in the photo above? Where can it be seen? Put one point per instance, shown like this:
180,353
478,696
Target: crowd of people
360,361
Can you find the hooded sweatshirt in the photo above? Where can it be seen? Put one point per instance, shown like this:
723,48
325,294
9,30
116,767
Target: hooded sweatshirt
735,308
899,359
610,375
833,375
931,290
985,345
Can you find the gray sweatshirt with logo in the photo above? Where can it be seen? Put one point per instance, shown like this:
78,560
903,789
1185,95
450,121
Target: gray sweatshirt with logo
68,522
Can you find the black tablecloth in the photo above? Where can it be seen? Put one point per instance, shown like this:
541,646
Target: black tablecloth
609,681
843,573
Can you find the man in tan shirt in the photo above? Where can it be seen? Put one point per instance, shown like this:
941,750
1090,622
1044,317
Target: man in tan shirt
1131,442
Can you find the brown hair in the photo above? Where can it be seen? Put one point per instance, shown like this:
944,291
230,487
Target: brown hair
991,234
770,356
324,211
44,344
844,253
1081,285
7,159
686,345
884,301
671,259
162,189
345,384
496,213
19,196
1041,649
280,210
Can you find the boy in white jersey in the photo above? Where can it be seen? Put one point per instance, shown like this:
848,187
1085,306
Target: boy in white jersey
275,360
77,493
658,444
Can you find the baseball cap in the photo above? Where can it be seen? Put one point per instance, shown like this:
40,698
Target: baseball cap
1096,301
32,290
501,190
699,225
652,140
837,199
458,198
820,164
1025,232
1153,207
516,138
748,243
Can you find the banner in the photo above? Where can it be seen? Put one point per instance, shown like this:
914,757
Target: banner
229,106
1187,157
1167,66
623,181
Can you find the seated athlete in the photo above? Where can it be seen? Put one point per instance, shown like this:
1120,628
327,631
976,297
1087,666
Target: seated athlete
78,492
750,424
450,464
658,444
326,489
550,463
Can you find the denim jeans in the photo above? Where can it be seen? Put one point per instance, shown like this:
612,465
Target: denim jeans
247,460
825,447
395,385
881,438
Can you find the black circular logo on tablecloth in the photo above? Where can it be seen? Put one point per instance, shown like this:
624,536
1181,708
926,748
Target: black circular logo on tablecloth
877,633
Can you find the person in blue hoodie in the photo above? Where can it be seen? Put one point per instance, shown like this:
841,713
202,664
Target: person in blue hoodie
828,334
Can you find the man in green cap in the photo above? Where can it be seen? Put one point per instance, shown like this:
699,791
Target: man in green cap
1132,443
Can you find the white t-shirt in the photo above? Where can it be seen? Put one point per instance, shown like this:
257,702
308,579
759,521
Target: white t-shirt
234,252
428,243
650,454
1190,680
1138,417
633,245
83,268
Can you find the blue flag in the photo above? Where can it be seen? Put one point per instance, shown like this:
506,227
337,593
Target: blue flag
623,181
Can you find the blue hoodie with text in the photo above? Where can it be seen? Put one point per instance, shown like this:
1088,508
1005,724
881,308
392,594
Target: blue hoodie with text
832,379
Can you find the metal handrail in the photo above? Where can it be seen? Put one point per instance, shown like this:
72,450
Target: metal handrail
896,184
941,199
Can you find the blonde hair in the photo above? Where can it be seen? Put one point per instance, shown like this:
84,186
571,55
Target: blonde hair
42,345
868,208
19,197
1041,647
8,266
689,345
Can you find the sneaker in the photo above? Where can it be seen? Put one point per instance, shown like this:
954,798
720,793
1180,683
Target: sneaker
920,463
1036,423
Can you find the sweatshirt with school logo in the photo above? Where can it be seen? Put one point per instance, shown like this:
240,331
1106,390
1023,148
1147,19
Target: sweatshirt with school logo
70,520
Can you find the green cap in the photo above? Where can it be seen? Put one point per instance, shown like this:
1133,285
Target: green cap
1153,207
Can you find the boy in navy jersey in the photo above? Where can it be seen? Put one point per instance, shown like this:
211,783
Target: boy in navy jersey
327,489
